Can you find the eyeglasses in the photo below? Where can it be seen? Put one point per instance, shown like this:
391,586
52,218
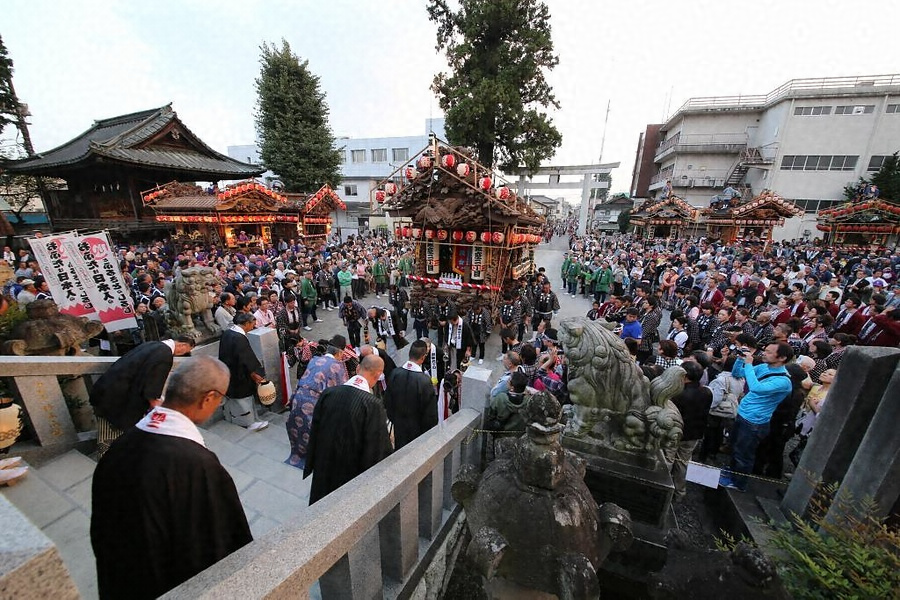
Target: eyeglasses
221,394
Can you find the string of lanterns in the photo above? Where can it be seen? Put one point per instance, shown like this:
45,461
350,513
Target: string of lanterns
487,237
476,286
244,188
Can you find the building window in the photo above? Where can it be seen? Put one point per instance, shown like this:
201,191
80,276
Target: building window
350,190
816,162
855,110
379,155
875,163
811,111
893,109
357,156
399,154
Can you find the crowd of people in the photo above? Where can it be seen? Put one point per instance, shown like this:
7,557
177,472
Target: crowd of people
759,329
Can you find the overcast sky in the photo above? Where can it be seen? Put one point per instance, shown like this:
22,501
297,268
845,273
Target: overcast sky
77,61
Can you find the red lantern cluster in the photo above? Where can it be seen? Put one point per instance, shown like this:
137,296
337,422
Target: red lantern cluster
379,196
242,189
185,219
155,195
497,237
486,237
448,161
457,236
485,183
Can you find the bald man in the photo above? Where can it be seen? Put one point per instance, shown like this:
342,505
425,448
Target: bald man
349,431
163,507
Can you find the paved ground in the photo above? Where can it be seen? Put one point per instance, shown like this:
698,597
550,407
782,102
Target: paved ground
57,497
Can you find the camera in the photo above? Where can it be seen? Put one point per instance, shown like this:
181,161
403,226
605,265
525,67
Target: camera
737,350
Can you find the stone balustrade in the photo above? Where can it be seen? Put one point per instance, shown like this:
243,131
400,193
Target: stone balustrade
388,533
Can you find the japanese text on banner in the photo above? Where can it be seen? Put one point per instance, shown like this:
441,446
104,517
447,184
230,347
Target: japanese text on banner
62,279
98,268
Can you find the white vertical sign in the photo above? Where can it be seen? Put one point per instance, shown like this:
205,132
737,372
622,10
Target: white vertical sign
98,269
477,262
65,286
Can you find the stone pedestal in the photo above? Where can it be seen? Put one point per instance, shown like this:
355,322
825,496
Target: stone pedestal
264,342
638,484
846,419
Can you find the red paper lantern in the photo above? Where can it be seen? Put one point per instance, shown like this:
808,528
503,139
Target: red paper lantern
485,183
416,232
442,234
390,189
448,161
429,234
397,232
424,162
497,237
405,232
379,196
463,169
486,237
502,193
410,173
471,236
457,236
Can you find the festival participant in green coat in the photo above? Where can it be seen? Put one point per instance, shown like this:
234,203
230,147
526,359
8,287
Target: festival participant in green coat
380,273
587,277
308,299
603,278
564,270
407,267
572,274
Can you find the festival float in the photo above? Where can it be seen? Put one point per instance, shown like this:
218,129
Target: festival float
246,215
861,225
471,234
669,217
755,219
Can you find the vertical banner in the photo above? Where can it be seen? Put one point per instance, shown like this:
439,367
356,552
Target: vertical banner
65,286
460,259
432,260
477,262
98,269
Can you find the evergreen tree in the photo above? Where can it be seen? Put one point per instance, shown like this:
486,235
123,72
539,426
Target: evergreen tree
496,92
8,102
295,138
888,178
624,220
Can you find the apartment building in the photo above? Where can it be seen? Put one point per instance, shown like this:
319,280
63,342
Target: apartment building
805,140
366,161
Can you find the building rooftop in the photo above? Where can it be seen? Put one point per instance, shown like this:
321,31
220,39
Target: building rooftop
816,87
154,138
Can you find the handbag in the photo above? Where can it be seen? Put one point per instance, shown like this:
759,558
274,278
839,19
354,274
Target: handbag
727,408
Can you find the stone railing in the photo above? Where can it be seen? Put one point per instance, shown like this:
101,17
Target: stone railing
389,533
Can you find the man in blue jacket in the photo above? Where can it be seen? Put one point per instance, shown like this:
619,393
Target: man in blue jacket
768,384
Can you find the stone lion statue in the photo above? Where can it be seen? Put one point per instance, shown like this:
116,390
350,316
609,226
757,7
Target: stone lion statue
190,295
615,404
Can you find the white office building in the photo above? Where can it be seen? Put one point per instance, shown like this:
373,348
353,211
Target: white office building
805,141
366,161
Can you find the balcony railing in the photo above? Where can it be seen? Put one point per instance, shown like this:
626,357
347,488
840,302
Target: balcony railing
702,142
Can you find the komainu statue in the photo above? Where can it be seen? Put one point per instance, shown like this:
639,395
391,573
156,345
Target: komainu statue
190,295
614,404
533,520
47,332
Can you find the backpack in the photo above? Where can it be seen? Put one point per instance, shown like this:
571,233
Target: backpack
727,408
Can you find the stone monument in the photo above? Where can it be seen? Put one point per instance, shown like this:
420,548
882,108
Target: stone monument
534,524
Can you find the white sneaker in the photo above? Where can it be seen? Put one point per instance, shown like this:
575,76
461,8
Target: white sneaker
329,309
480,361
500,357
317,321
258,426
307,328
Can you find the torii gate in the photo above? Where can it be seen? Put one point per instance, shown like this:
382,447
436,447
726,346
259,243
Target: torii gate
591,180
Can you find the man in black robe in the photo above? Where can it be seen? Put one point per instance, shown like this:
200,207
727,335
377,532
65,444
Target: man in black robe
132,386
246,373
410,400
460,340
349,431
163,507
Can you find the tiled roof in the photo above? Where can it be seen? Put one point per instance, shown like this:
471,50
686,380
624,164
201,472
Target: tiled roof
115,140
